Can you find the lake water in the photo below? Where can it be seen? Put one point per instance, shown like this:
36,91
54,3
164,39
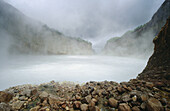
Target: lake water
39,69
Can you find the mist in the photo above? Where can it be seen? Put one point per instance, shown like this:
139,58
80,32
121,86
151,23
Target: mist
95,21
40,69
52,40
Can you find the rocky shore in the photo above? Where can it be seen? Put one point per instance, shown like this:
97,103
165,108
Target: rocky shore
135,95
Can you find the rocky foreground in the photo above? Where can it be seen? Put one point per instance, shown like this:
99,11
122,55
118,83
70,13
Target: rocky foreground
135,95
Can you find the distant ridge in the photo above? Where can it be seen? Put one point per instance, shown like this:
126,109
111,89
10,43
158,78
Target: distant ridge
139,41
23,35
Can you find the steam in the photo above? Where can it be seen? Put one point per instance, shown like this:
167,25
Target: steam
41,69
96,21
5,43
131,44
93,20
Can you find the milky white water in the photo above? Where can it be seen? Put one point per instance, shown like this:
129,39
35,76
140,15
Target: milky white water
40,69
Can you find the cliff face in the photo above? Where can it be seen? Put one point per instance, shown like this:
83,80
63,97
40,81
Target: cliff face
139,41
158,66
22,34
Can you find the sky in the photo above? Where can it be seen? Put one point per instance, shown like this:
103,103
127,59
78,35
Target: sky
93,20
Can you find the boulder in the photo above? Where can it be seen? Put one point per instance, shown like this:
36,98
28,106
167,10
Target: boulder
34,92
17,105
84,107
36,108
22,98
124,107
88,98
154,105
92,106
67,108
149,84
97,108
143,106
135,108
4,107
113,102
163,101
53,101
126,98
76,104
5,97
44,95
78,97
26,92
144,97
134,98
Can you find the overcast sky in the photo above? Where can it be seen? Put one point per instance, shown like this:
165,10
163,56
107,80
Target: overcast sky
93,20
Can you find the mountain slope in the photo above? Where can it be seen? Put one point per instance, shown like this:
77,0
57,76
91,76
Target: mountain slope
158,66
22,34
139,41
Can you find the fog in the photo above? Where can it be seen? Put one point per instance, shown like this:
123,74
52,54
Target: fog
27,45
93,20
39,69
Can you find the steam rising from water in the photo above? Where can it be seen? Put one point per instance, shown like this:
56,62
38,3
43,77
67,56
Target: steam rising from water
39,69
93,20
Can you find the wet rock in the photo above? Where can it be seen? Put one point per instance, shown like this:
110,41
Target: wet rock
94,100
18,105
91,89
5,97
43,95
129,88
124,107
84,107
135,108
143,106
4,107
26,92
149,84
36,108
76,104
134,98
34,92
44,109
99,92
113,102
88,98
144,97
44,103
22,98
159,84
92,106
78,97
154,105
135,92
120,90
109,88
97,108
67,108
64,106
126,98
135,103
163,101
53,102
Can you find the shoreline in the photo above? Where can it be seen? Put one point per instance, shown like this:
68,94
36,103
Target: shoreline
133,95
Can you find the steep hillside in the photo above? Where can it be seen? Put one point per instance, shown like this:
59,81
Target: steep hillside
21,34
139,41
158,66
